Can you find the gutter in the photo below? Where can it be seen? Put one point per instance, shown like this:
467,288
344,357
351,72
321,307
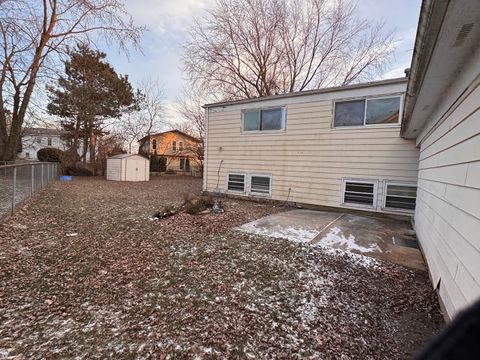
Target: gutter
309,92
430,22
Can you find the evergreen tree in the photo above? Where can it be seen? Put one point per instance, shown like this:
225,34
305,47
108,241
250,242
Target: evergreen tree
89,93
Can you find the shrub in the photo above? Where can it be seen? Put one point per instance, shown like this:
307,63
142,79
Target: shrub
208,200
50,154
193,207
157,163
78,171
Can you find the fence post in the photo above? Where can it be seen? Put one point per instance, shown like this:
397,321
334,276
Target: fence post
33,179
42,175
13,189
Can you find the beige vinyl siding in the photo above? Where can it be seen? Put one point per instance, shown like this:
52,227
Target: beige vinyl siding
447,217
309,157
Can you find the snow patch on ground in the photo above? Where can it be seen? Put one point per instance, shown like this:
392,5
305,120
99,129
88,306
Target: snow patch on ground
362,260
291,233
335,238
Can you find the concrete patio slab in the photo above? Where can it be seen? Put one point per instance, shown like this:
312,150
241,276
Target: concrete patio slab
367,235
295,225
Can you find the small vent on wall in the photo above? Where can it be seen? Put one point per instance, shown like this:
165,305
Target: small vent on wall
463,34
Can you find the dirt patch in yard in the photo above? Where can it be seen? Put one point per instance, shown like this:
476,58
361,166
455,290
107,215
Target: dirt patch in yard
86,273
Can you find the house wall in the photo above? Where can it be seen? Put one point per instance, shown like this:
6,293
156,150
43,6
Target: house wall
447,218
310,157
32,144
173,163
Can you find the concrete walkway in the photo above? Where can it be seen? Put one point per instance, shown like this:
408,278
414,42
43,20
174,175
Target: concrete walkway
367,235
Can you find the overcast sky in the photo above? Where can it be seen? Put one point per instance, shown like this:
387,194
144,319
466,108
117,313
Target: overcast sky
169,20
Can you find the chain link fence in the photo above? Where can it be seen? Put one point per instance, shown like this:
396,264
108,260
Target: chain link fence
18,182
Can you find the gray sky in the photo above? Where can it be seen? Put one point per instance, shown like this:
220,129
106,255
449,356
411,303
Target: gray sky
169,20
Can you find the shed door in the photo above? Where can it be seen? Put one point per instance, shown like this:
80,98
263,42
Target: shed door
140,170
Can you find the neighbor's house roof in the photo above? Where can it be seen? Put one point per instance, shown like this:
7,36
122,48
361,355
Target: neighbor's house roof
41,132
123,156
447,35
170,131
310,92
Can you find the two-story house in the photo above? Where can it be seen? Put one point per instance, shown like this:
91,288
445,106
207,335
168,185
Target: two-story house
337,147
181,151
383,146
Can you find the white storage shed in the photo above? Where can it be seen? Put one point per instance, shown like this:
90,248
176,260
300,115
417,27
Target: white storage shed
128,167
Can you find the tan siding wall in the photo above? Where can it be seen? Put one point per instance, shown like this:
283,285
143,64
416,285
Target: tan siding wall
448,213
310,157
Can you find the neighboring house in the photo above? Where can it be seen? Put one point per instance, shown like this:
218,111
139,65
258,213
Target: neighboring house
442,114
34,139
338,147
179,149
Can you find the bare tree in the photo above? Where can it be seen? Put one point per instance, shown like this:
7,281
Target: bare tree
33,37
189,106
249,48
148,115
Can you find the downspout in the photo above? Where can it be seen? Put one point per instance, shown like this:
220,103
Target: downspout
205,150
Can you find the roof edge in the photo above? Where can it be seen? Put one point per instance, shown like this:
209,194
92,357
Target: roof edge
309,92
168,131
432,14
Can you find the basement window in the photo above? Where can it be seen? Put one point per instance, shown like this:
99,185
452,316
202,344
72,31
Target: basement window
400,196
270,119
260,185
367,112
359,193
236,182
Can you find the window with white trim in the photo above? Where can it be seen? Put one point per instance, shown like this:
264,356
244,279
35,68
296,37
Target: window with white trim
269,119
174,145
400,196
369,111
260,184
236,182
359,192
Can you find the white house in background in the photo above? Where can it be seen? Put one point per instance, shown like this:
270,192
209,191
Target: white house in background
34,139
337,147
442,114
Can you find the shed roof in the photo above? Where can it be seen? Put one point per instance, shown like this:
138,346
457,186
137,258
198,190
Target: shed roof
122,156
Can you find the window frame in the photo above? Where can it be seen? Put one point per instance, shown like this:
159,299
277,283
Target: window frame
284,120
398,183
180,146
359,181
184,163
245,187
366,99
250,192
49,141
174,145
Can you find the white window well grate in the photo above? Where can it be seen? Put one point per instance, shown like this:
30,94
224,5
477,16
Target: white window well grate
359,193
236,182
260,185
400,196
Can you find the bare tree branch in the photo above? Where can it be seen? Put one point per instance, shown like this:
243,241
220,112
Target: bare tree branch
33,38
250,48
